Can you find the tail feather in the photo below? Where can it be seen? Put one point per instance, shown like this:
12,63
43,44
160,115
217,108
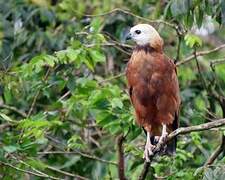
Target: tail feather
171,147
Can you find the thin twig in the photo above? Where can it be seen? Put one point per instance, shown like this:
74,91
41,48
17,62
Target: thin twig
34,102
216,153
178,48
112,78
38,93
217,61
199,70
28,165
174,26
11,108
114,43
200,53
64,95
221,147
28,172
80,153
51,168
66,173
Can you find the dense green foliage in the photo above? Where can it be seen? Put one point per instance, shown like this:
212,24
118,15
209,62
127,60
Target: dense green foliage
63,104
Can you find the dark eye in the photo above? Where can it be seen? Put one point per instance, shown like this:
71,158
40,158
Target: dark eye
138,32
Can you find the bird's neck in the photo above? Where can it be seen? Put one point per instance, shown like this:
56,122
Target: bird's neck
154,46
146,48
157,44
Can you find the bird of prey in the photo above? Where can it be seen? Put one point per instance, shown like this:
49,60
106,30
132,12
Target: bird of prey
153,88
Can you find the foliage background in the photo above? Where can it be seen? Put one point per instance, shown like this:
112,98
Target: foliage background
63,94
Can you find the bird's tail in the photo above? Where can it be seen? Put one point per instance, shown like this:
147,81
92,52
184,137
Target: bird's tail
171,147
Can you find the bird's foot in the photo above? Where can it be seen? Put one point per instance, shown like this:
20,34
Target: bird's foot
163,138
148,152
157,139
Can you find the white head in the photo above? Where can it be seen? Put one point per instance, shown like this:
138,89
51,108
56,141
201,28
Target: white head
144,34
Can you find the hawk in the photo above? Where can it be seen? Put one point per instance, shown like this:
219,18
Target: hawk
153,88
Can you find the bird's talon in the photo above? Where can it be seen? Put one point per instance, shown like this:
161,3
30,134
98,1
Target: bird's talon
148,152
163,138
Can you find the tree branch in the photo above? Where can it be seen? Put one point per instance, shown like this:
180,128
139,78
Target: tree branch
144,172
221,147
178,48
180,131
200,53
121,173
112,78
174,26
201,127
216,153
217,61
28,172
50,168
11,108
66,173
79,153
38,93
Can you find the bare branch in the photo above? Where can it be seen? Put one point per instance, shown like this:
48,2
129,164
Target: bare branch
112,78
41,174
64,95
174,26
217,61
79,153
200,53
28,172
178,49
114,43
180,131
216,153
199,70
38,93
201,127
66,173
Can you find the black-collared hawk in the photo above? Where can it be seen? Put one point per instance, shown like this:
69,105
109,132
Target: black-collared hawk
153,87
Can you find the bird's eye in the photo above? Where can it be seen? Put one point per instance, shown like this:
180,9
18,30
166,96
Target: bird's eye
138,32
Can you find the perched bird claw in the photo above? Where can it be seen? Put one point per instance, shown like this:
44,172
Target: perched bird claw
148,152
163,138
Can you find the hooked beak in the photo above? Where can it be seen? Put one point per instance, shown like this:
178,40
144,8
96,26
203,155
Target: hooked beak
128,36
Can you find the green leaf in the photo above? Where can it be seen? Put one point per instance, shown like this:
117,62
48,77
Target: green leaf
96,55
73,54
116,102
192,40
36,163
10,148
199,16
95,25
89,64
50,60
75,142
7,118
